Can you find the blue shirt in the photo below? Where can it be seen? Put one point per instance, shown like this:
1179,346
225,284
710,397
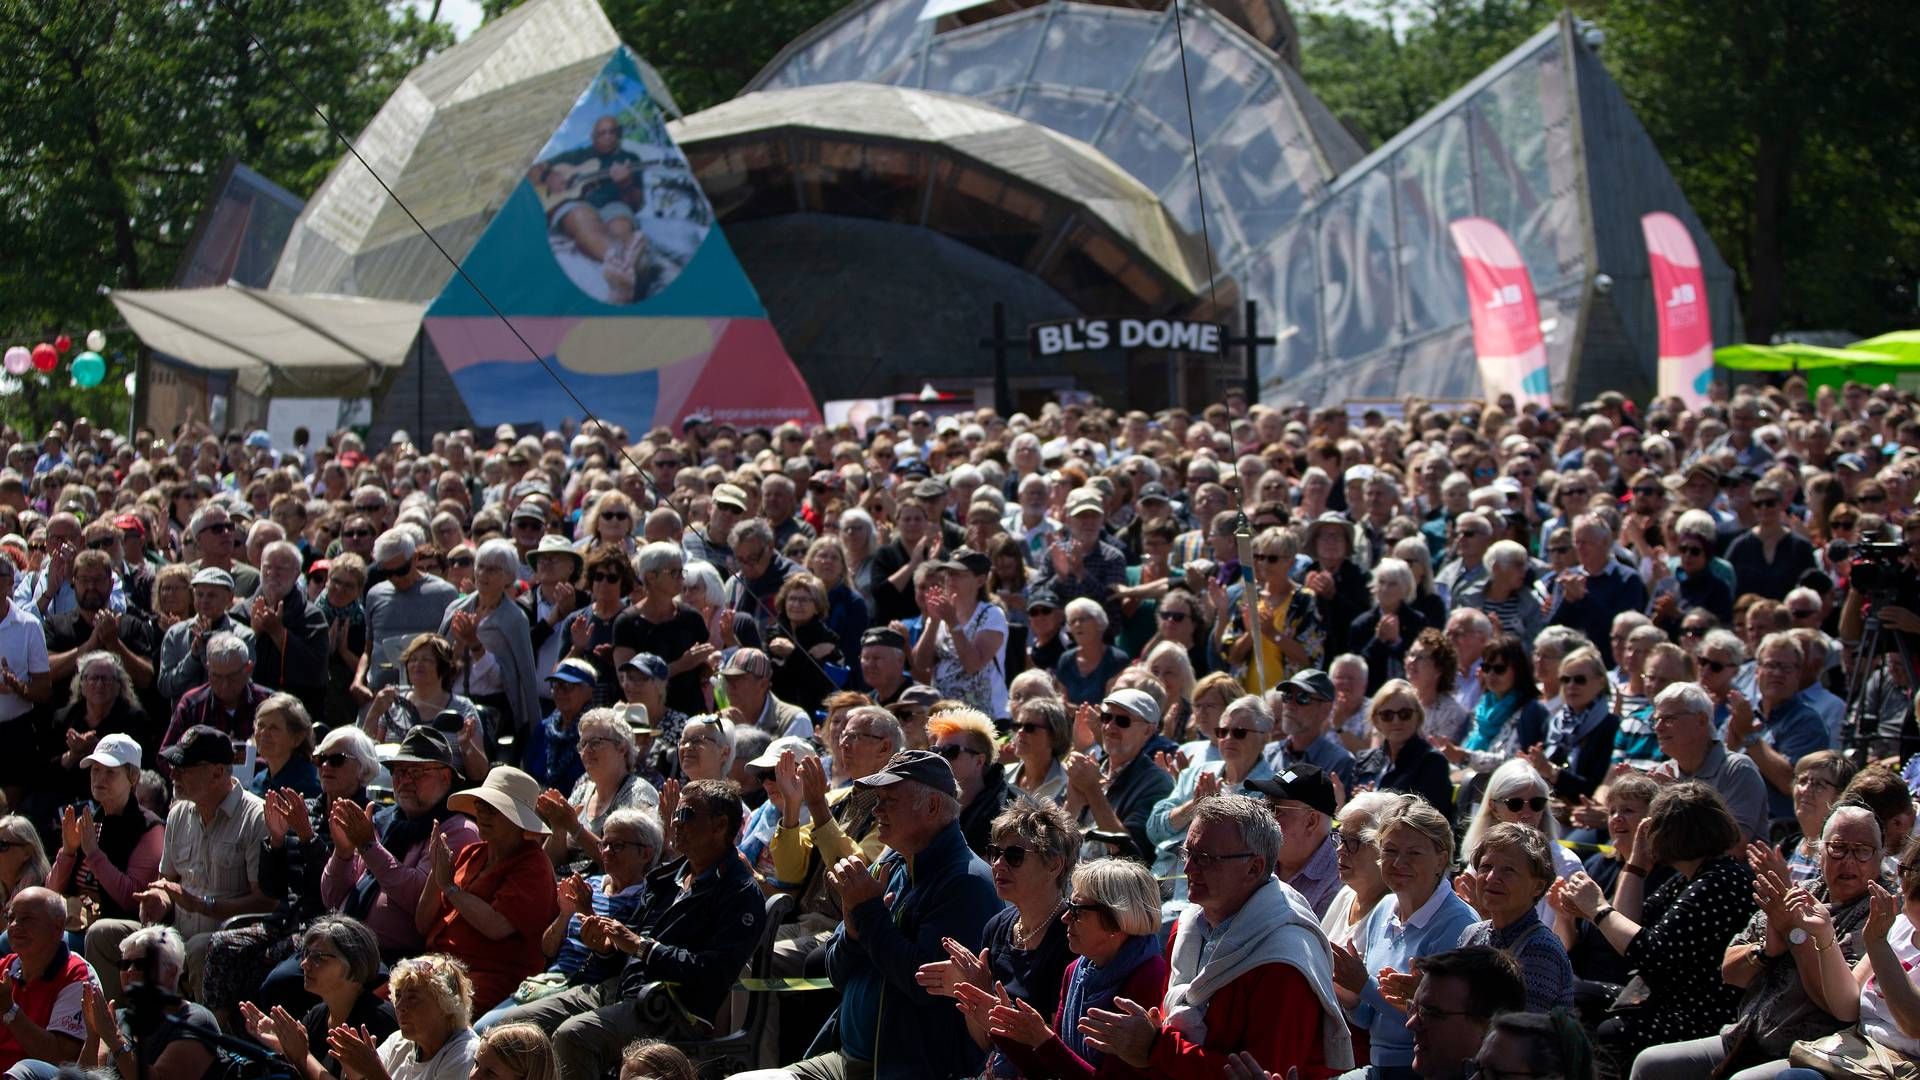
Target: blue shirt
298,773
1793,730
553,753
574,958
1327,752
1389,943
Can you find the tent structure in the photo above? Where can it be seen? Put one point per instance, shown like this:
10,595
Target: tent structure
536,155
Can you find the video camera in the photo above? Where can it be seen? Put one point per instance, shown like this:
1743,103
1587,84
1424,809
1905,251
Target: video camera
1880,570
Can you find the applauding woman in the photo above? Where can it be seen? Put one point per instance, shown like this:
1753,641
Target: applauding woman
340,965
109,848
433,1003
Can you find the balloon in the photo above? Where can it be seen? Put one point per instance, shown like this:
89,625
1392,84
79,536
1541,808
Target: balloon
96,341
64,344
44,357
88,369
18,360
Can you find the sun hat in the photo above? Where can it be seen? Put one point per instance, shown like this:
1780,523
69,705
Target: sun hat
507,790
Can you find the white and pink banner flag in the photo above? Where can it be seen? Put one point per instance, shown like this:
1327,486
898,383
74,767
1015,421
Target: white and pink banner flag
1680,301
1506,316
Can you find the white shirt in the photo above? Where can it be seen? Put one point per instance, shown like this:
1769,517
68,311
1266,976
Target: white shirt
23,646
453,1062
1876,1020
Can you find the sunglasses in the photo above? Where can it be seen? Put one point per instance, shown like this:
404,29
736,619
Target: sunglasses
464,560
1030,729
614,515
613,578
1295,697
1559,549
1536,804
1576,680
1016,857
1494,669
1575,493
1766,504
1123,721
1267,558
1716,666
1872,500
358,534
1235,732
1803,613
331,761
104,544
1396,716
1173,616
953,750
219,527
1075,910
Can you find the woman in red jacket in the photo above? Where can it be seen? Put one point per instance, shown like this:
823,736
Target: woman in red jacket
1111,923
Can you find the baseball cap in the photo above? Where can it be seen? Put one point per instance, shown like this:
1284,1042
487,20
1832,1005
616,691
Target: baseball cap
1153,491
929,488
748,661
647,664
771,756
1312,681
1299,783
1043,598
1137,702
114,751
201,745
575,671
130,521
1085,499
918,696
530,510
965,558
259,440
730,495
884,637
919,766
1851,461
213,575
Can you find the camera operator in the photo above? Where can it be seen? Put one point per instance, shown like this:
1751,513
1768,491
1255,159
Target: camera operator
1885,582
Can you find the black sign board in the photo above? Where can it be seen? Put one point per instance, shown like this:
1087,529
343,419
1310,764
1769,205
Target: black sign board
1087,335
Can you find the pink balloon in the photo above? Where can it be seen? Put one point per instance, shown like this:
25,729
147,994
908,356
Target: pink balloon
18,360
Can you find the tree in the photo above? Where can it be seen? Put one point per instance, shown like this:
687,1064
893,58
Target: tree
706,51
1790,128
121,111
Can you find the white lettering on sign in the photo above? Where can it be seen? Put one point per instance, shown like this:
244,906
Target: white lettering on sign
1504,296
1084,335
1682,294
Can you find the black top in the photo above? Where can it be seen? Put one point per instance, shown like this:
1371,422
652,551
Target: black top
801,680
1030,975
1683,937
1752,573
976,818
368,1010
669,641
1418,769
702,937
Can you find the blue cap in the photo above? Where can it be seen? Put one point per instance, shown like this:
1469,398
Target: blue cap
1850,461
259,439
648,664
577,672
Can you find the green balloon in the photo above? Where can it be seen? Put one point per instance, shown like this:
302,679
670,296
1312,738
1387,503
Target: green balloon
89,369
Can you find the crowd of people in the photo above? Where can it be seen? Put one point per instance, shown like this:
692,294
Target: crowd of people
1266,741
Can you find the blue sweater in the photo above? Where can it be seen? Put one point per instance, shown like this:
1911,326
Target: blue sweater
1388,943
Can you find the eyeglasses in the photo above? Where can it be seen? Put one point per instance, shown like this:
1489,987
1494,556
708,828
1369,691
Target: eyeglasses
953,750
1295,697
1076,909
1766,504
694,742
331,761
1649,491
1692,549
1225,732
611,579
218,528
1575,492
1778,666
1716,666
1203,860
1173,616
1863,853
1494,669
1576,680
1015,856
1348,841
1123,721
1030,729
598,742
687,813
1660,718
1536,804
1395,716
460,561
849,736
358,534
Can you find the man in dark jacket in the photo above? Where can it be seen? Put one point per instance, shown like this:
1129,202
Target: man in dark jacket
701,920
289,631
928,887
762,571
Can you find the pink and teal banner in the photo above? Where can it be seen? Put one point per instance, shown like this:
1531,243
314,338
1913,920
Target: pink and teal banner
1680,302
1506,315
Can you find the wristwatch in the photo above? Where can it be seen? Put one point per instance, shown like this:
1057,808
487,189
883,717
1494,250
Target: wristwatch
12,1014
1797,936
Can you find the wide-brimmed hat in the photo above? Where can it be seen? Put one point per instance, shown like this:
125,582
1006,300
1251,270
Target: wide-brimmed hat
555,544
507,790
1330,519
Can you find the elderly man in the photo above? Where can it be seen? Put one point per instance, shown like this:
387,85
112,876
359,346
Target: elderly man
228,697
1305,706
1683,722
1250,971
1116,795
1588,596
1468,631
406,604
748,677
289,631
1302,800
883,664
928,889
1472,535
1460,993
1348,676
380,862
1829,706
762,570
710,543
777,500
1079,562
1781,728
50,591
700,921
212,531
43,986
152,956
210,866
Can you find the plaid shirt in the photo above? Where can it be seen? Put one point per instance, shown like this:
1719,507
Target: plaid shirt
1104,570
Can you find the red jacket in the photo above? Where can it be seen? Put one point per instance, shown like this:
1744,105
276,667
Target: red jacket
1270,1012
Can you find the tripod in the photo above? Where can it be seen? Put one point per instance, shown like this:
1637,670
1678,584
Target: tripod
1866,657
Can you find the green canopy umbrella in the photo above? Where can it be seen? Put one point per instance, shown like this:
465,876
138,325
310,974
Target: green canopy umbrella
1794,356
1903,344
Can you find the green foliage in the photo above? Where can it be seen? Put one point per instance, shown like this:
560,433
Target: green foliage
119,114
706,50
1380,69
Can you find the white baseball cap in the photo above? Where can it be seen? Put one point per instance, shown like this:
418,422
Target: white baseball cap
114,751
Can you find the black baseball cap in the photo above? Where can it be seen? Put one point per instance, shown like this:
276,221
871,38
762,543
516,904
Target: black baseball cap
885,637
1301,783
919,766
1312,681
966,558
1043,598
202,745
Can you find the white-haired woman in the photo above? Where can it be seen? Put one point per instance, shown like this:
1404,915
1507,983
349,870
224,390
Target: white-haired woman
1089,665
1516,792
612,781
1426,596
1503,594
490,633
860,539
701,590
433,1003
706,748
255,962
1383,633
1361,886
1169,662
103,704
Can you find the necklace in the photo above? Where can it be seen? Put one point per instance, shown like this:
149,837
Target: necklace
1026,937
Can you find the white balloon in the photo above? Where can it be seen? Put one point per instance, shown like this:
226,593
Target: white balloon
96,340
